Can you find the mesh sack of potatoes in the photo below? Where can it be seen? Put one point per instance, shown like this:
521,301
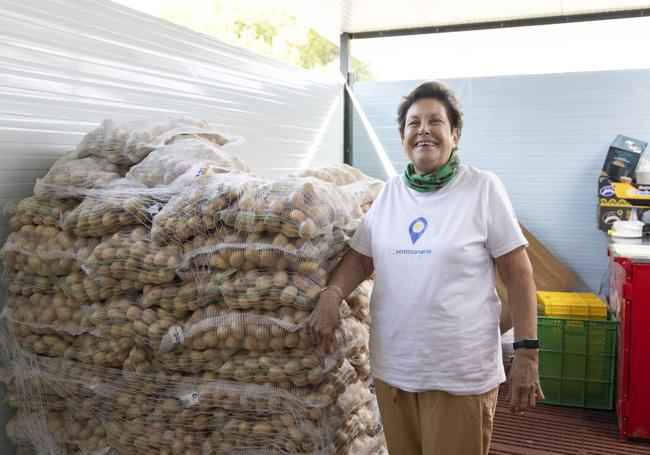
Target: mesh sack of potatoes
271,251
261,289
300,367
71,176
248,399
362,188
359,301
197,209
364,191
131,254
185,154
119,205
360,361
121,317
141,361
41,341
31,210
281,434
84,348
130,142
47,397
364,444
181,297
98,351
279,420
297,207
65,429
84,288
188,360
363,420
25,284
54,311
355,395
45,250
218,327
338,174
124,316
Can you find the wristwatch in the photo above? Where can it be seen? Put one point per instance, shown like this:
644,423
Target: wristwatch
528,344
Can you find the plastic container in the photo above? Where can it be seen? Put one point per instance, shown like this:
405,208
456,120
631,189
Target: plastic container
576,361
572,305
632,228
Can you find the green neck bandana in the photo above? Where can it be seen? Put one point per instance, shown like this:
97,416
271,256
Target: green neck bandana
432,182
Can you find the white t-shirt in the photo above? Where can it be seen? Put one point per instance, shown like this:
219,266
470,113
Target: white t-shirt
434,308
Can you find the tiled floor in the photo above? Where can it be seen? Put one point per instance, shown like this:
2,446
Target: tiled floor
557,430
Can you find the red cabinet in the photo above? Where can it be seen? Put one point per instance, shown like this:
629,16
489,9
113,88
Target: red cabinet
630,299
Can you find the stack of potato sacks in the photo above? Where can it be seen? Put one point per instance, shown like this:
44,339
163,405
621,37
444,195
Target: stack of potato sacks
157,298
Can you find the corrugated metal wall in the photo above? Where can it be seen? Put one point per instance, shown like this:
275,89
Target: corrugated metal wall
69,64
546,136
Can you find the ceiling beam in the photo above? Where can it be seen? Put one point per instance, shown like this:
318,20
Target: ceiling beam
549,20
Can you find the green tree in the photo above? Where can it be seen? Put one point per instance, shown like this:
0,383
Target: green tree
258,26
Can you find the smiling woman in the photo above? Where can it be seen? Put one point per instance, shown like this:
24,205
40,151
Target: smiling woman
428,137
430,123
433,237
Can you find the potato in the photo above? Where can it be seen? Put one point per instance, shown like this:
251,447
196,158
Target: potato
130,142
171,161
45,251
115,208
71,176
276,252
150,264
34,211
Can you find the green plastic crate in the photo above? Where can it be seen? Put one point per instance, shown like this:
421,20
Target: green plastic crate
577,360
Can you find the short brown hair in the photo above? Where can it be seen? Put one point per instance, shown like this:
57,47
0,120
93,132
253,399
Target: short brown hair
436,90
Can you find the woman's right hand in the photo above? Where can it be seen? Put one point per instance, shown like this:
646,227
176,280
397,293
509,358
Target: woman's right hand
324,320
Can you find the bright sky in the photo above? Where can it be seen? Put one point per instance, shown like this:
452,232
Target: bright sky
585,46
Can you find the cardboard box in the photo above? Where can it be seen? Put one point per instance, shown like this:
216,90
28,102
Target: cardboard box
616,200
622,158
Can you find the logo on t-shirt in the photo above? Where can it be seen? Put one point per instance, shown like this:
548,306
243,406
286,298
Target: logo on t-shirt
417,228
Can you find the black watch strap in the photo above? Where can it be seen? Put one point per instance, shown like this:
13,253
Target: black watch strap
529,344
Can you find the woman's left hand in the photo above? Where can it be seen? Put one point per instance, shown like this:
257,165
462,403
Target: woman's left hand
523,379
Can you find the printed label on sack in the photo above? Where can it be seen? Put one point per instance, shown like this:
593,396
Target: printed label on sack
202,170
190,399
375,431
154,208
176,334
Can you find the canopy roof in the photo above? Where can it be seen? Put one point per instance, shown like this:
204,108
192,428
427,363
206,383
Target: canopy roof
332,17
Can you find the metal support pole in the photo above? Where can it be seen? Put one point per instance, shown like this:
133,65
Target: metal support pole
345,63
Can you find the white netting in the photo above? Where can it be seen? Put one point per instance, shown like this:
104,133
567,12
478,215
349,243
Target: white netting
26,284
54,311
129,143
32,210
197,209
121,204
158,293
72,177
130,254
164,165
45,250
352,181
271,251
84,288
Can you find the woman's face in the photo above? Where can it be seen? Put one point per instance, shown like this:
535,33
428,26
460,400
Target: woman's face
428,136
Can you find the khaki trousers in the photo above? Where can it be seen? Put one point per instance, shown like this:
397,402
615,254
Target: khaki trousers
435,422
